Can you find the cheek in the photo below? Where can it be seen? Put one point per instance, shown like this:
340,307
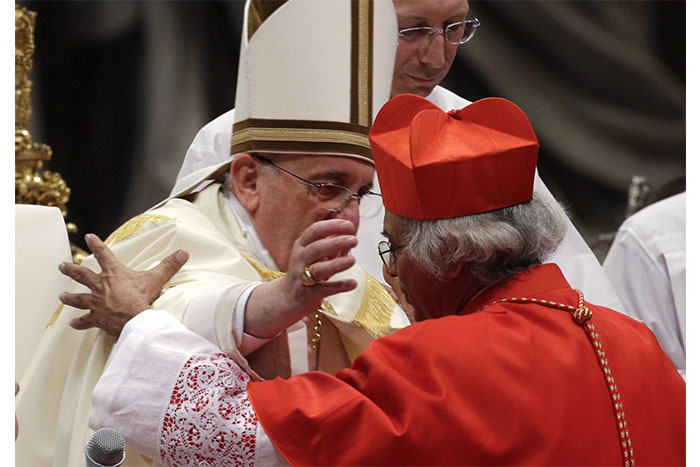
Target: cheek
450,54
403,62
415,284
405,273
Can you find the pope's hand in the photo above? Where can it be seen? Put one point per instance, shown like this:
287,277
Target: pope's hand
318,254
117,293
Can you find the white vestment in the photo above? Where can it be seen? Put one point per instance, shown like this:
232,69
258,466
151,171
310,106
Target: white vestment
54,403
646,264
581,268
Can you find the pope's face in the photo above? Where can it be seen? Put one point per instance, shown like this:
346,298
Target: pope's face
421,67
288,206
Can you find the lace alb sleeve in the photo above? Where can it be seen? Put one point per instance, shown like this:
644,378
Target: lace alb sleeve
178,399
210,420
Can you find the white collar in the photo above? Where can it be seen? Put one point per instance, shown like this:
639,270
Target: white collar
255,246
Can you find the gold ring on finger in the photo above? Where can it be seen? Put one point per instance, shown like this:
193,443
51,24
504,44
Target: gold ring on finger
307,279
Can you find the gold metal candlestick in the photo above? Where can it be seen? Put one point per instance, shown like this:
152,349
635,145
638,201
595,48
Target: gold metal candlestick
33,184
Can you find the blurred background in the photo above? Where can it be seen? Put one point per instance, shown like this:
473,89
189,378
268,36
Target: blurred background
122,87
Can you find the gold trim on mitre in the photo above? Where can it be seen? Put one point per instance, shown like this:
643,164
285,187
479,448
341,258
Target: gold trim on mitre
362,12
270,135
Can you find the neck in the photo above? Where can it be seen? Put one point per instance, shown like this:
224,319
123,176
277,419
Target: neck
454,293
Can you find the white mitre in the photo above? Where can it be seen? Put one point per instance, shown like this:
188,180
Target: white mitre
312,75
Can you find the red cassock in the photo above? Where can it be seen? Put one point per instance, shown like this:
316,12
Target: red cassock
516,382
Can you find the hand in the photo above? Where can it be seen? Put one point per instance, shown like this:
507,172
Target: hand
322,247
117,293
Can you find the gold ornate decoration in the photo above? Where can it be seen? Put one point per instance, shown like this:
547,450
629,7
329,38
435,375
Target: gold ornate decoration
24,50
133,225
33,185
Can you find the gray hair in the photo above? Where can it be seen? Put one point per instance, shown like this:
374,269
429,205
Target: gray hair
227,182
493,245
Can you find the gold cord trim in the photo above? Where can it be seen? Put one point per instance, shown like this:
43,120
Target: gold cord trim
130,227
376,309
582,315
614,391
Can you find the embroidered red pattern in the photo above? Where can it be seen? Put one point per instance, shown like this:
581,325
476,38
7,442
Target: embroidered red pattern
210,420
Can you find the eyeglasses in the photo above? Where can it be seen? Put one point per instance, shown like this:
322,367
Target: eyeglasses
336,197
455,33
386,253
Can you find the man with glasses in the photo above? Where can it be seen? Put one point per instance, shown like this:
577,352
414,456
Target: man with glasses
429,35
269,281
508,364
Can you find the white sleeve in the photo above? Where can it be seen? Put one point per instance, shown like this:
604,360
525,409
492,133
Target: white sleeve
176,398
646,291
218,316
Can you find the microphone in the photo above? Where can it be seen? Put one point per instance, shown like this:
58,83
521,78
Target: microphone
105,449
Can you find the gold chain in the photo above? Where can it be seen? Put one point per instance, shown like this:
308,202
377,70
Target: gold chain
316,338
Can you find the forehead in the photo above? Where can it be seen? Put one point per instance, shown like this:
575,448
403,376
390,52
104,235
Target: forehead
341,168
391,227
435,10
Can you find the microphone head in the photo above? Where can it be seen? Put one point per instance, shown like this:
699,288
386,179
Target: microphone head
106,448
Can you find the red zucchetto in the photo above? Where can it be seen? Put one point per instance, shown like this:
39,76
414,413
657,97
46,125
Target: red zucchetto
438,165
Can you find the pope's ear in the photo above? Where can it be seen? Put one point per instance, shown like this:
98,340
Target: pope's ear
245,174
